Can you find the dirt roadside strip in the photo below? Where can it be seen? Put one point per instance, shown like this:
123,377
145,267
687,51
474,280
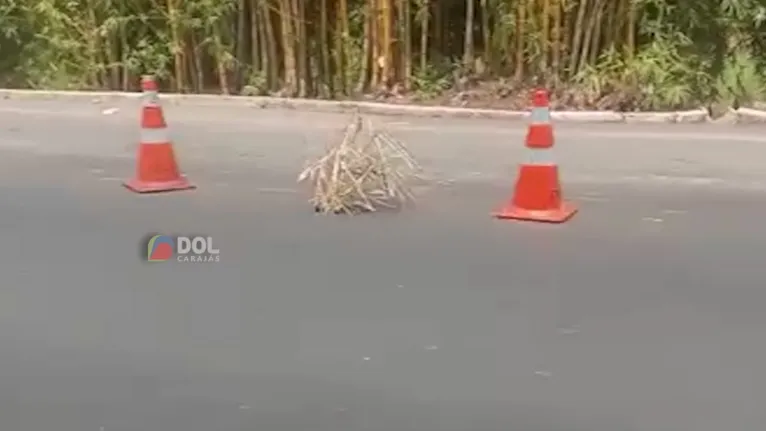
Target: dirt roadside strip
742,115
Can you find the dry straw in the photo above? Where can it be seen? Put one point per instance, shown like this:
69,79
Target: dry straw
366,171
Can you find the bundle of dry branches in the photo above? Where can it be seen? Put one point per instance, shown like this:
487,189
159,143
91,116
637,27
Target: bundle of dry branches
366,171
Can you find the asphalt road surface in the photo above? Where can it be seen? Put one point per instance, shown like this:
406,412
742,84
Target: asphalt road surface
644,313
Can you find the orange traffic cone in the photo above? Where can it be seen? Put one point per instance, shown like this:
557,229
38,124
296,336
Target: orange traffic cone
156,168
537,195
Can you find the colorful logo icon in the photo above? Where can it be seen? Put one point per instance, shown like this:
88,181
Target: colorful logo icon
160,248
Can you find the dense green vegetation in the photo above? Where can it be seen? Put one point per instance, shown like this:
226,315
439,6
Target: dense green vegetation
624,54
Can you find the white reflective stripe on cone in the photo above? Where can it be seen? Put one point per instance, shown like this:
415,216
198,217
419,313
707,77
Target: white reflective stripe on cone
540,156
541,115
155,136
151,98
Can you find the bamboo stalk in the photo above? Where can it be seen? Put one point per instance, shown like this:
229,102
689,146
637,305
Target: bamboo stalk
556,39
521,21
486,33
288,48
324,43
271,57
547,11
425,21
256,48
176,44
578,37
386,54
468,40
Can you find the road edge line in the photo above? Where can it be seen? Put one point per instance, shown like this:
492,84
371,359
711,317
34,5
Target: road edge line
372,108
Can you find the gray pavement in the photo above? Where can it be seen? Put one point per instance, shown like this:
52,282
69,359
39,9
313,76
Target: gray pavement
644,313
